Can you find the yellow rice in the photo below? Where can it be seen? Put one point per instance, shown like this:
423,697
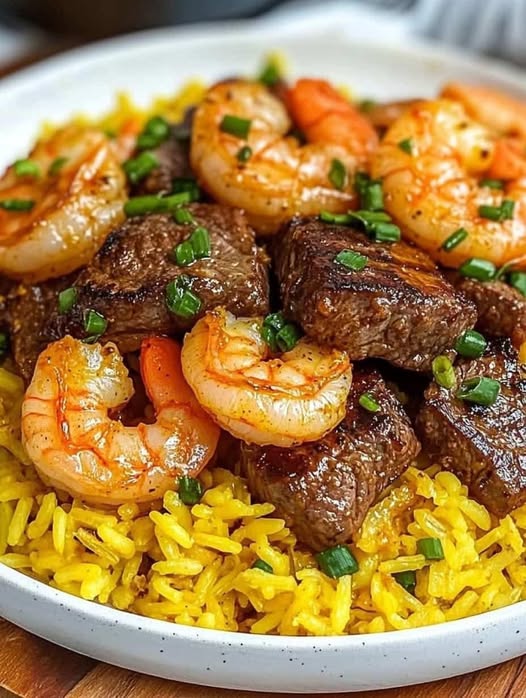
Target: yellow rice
192,565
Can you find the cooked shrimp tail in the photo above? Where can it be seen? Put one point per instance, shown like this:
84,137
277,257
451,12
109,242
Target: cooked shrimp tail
76,446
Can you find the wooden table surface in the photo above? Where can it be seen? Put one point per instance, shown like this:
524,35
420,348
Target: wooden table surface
34,668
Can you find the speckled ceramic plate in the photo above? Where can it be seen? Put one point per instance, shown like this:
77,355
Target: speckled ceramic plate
156,62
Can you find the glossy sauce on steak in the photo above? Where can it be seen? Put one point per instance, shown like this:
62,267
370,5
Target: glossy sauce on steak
324,489
398,308
484,446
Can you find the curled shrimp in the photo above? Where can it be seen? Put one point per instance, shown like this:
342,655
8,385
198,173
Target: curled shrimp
279,177
284,401
77,447
74,197
434,185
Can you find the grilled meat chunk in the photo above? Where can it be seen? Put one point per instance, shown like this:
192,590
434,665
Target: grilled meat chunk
501,308
399,307
484,446
174,162
126,282
325,488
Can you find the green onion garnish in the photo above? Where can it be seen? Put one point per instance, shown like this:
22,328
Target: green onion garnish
183,216
262,565
155,131
369,191
275,321
95,324
279,334
235,125
480,390
180,300
244,154
387,232
480,269
338,174
430,548
270,74
4,344
337,561
444,372
406,145
184,254
351,260
57,165
471,344
518,280
187,185
288,337
67,299
27,168
492,183
17,204
143,205
200,242
503,212
190,490
140,167
338,218
454,239
407,580
368,402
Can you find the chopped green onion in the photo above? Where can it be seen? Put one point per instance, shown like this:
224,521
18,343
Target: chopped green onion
454,239
27,168
492,183
57,165
183,216
480,269
471,344
518,280
143,205
407,580
430,548
184,254
17,204
337,561
190,490
370,218
95,324
387,232
406,145
338,218
4,344
368,402
269,337
67,299
338,174
275,320
244,154
200,242
480,390
140,167
262,565
156,130
503,212
180,300
369,191
270,75
351,260
187,185
235,125
288,337
444,372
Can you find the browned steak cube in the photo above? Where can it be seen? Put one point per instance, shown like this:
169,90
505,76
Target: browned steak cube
172,156
399,307
324,489
484,446
501,308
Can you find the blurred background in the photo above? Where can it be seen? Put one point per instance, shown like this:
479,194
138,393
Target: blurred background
34,28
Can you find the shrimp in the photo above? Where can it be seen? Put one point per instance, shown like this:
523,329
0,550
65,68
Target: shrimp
278,178
74,198
76,446
434,187
284,401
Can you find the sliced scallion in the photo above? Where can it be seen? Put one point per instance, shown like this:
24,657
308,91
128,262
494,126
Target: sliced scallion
180,300
337,561
200,242
186,185
57,165
95,324
183,216
430,548
262,565
407,580
67,299
351,260
17,204
471,344
155,132
406,145
338,174
138,168
454,239
270,75
27,168
480,269
443,372
244,154
368,402
184,254
235,125
143,205
479,390
518,280
492,183
500,213
337,218
190,490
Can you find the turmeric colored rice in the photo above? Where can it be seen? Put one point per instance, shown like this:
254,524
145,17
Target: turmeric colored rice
192,565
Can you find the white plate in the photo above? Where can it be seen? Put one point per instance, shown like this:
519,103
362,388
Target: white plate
154,62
